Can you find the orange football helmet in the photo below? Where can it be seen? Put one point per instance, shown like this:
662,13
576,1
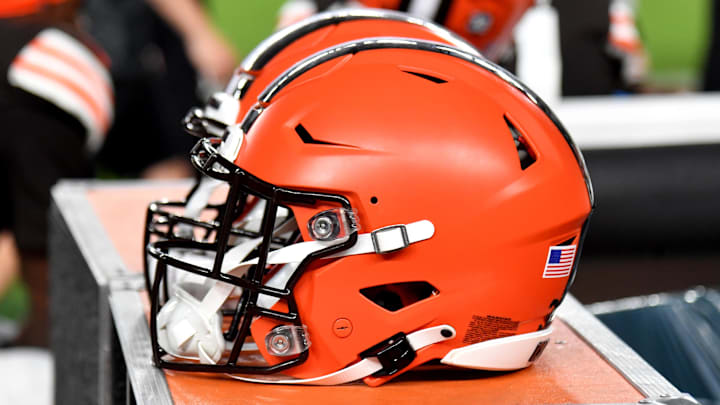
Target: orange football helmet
419,203
173,220
487,24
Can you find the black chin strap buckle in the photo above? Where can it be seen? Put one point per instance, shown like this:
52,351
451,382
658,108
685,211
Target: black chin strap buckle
394,354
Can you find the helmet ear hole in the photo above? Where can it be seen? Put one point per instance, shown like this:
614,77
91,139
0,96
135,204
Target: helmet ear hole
389,300
394,297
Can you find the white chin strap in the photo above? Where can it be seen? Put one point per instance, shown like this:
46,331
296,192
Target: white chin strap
365,367
200,198
191,328
508,353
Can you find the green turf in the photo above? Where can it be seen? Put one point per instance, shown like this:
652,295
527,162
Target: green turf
15,302
245,22
676,34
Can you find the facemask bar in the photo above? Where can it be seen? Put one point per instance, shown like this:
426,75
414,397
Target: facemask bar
208,161
162,222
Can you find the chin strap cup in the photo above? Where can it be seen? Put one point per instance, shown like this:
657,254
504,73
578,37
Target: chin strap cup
508,353
184,331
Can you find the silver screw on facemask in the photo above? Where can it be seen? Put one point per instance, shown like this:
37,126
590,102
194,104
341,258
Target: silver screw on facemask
279,344
323,227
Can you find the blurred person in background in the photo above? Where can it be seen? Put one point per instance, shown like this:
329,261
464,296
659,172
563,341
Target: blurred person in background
56,104
157,49
602,52
161,50
559,47
486,24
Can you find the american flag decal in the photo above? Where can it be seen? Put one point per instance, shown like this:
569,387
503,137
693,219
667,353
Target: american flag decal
559,261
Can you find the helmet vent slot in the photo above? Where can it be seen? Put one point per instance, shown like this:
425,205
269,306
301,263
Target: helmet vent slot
306,137
525,154
396,296
425,76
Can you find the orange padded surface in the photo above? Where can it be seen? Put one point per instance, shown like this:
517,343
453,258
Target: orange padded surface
569,371
121,211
